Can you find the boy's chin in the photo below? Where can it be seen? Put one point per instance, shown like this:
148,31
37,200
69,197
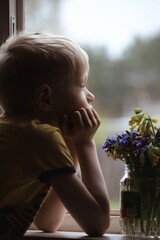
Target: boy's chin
89,106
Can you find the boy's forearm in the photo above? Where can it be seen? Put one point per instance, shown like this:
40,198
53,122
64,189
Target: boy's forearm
91,196
51,213
91,172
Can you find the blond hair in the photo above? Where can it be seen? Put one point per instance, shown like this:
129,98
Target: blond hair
28,60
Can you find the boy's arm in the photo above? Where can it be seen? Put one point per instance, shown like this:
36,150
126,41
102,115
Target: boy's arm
52,211
86,200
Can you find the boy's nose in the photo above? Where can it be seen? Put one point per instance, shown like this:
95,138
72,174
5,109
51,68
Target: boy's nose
90,97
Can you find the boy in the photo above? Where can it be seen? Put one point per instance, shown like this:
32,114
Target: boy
46,132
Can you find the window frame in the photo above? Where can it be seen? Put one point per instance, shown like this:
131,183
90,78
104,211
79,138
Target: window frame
12,17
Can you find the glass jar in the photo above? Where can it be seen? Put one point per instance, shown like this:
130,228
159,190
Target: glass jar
139,205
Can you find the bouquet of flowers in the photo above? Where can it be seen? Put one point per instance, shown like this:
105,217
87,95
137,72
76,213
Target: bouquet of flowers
139,149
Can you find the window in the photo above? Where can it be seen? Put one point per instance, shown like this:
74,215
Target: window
122,40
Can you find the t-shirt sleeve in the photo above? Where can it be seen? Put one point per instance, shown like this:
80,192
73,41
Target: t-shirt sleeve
51,157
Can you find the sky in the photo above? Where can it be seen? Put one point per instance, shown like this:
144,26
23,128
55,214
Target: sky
113,23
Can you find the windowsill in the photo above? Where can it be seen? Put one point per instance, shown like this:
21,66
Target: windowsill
35,234
38,235
32,234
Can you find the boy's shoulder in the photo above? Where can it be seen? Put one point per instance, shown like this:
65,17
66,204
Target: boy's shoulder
27,125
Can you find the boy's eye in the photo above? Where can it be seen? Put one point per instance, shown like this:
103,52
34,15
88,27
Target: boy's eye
84,85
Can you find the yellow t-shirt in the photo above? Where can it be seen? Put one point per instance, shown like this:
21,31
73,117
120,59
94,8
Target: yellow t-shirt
29,152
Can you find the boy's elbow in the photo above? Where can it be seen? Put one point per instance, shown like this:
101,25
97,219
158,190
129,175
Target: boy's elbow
45,227
99,229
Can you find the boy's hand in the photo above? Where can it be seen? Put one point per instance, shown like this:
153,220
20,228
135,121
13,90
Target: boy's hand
81,125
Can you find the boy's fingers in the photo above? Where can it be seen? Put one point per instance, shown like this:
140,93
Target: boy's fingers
76,119
87,117
91,117
96,116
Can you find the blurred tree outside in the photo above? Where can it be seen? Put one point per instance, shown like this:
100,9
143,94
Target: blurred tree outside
120,85
128,82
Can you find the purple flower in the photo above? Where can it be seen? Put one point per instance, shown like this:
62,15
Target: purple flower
139,146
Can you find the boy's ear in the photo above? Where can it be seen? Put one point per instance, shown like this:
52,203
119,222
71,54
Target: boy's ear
44,97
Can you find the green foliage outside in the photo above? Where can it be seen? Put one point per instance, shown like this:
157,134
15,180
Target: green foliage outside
132,81
114,204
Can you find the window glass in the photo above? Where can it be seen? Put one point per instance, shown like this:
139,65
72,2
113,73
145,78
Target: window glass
122,39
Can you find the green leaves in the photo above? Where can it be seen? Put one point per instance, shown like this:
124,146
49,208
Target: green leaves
137,110
154,154
143,123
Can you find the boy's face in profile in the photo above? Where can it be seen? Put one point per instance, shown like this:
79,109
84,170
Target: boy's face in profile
75,94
